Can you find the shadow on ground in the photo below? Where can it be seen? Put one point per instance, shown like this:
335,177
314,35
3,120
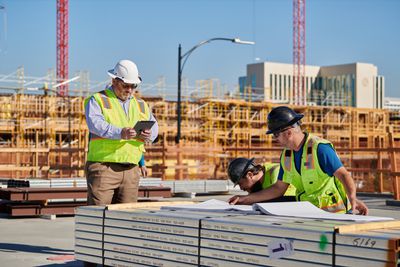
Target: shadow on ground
14,248
66,264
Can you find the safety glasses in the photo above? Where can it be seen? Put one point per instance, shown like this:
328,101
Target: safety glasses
276,134
127,85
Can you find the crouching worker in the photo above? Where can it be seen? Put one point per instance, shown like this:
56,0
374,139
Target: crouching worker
311,165
254,178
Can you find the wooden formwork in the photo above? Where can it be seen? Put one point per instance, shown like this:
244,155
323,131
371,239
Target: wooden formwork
42,135
46,136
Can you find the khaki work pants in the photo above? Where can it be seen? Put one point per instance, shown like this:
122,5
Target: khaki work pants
110,183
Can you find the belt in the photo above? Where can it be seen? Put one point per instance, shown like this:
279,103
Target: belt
122,164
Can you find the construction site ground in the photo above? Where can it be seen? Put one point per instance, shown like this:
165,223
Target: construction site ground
46,241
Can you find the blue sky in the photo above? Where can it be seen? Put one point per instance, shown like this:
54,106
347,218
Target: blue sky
148,32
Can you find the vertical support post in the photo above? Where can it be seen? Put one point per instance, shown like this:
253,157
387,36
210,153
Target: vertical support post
379,171
179,167
216,160
249,145
393,163
60,162
37,155
236,145
69,136
164,150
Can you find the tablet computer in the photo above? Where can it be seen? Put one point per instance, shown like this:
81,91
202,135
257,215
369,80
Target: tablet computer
143,125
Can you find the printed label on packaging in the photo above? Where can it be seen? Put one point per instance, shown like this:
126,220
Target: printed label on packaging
280,248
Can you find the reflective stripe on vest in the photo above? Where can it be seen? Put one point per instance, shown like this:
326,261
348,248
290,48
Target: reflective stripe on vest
314,185
309,164
288,160
105,100
144,109
116,150
141,105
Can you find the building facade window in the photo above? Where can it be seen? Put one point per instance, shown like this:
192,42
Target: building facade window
270,86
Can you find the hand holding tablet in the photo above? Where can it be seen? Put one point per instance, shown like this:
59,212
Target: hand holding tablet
141,126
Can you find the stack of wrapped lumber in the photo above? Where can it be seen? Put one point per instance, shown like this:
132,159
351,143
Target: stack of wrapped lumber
140,234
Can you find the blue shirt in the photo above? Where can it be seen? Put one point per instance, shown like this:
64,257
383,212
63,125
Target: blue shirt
99,126
327,158
141,162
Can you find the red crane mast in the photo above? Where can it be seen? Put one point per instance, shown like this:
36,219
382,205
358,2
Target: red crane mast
62,45
299,52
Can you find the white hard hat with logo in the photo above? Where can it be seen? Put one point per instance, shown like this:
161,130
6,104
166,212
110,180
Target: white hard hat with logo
127,71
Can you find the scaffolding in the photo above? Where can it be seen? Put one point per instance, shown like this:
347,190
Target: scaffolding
41,135
44,135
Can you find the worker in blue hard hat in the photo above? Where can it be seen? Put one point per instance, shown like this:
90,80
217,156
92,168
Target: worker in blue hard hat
311,165
253,177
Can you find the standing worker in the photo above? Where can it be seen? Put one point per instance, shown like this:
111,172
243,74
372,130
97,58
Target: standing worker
311,165
115,148
142,163
253,178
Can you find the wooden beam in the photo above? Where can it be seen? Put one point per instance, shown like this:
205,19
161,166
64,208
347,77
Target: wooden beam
147,205
342,229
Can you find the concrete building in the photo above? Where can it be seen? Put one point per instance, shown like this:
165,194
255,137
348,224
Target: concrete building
392,103
354,85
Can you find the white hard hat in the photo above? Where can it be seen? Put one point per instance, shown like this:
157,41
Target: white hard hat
127,71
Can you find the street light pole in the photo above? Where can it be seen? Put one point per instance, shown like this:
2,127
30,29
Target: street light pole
184,57
178,108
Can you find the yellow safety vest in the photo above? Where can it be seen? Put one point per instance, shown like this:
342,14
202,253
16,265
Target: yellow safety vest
314,185
271,176
117,150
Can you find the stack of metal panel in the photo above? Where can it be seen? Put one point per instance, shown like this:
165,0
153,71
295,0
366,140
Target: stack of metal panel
68,182
377,246
193,186
143,237
89,233
150,181
126,237
54,182
39,183
198,186
250,239
60,183
253,238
